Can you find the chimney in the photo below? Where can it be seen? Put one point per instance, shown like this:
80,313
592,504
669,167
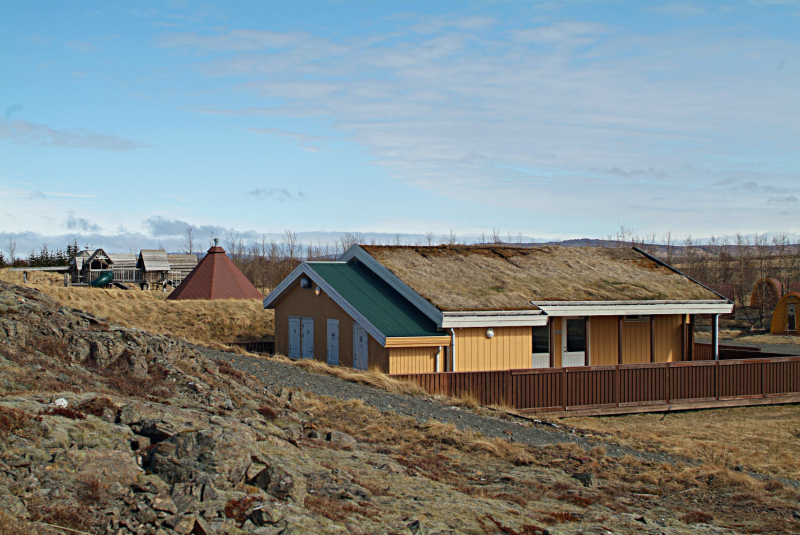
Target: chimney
216,242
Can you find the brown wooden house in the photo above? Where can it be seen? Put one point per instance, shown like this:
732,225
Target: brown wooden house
476,308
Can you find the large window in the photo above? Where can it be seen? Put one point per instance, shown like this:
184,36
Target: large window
541,339
576,335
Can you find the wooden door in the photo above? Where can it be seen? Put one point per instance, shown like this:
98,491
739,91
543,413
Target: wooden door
333,342
307,329
294,337
360,347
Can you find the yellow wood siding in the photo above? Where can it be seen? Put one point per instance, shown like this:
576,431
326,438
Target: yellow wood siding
305,303
413,359
509,348
780,318
668,337
635,342
603,341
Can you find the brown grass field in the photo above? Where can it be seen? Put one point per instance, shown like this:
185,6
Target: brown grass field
761,439
209,323
764,440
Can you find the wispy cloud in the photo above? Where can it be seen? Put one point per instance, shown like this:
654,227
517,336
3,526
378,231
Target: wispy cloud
22,132
278,194
308,142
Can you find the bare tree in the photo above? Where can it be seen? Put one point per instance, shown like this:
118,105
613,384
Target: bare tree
429,238
669,242
12,248
188,241
397,241
450,239
349,239
496,236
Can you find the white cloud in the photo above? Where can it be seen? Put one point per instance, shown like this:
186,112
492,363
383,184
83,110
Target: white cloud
532,117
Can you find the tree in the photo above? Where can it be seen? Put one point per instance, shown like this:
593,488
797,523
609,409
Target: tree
188,241
2,260
12,248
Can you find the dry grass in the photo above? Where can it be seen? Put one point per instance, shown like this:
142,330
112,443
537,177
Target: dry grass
738,336
374,378
761,439
508,278
203,322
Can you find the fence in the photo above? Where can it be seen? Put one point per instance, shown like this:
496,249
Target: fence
706,352
625,388
255,347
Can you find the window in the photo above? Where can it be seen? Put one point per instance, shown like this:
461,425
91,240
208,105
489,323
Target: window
576,335
541,339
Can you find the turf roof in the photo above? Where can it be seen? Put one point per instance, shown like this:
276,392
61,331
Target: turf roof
381,304
462,278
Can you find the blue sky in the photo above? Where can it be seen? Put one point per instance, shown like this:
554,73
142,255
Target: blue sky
122,123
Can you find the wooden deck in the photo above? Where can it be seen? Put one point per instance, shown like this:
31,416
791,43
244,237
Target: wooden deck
626,388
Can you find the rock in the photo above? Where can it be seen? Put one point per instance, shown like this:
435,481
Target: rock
264,515
314,434
337,437
218,455
147,516
201,527
61,403
150,483
163,502
139,442
130,414
209,493
185,503
183,524
157,430
281,483
586,478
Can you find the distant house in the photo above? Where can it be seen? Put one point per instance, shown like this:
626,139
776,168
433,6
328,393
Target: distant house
474,308
215,277
150,268
784,318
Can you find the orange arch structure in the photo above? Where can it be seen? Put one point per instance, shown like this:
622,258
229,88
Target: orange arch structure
786,315
773,291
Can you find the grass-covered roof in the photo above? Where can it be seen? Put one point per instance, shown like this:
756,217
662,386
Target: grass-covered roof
461,278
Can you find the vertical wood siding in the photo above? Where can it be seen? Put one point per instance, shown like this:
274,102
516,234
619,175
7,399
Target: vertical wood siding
510,347
669,334
414,359
635,342
305,303
603,341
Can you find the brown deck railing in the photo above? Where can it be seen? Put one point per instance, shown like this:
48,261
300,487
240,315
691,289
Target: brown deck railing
625,388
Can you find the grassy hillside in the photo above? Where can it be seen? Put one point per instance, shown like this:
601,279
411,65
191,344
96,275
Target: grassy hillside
204,322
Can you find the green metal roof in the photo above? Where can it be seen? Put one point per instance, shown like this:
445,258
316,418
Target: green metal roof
382,305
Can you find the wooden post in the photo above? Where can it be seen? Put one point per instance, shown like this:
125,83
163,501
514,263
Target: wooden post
684,354
690,337
617,385
564,387
619,343
652,339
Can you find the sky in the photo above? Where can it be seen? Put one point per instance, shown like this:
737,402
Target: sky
124,123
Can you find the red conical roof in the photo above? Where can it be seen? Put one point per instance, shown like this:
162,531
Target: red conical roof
215,277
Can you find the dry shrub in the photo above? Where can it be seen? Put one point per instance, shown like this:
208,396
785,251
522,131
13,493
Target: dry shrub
337,510
598,452
517,454
13,526
226,368
154,386
90,491
65,412
267,412
575,499
526,529
17,422
697,517
717,477
236,509
372,377
513,498
96,406
51,346
65,514
560,517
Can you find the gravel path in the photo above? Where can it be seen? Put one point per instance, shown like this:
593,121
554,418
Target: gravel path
278,375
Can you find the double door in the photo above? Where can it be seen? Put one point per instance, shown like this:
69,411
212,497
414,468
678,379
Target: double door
301,337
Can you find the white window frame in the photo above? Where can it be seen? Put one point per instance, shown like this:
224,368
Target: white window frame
541,360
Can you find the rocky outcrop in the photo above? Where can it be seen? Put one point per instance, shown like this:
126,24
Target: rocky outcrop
152,438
